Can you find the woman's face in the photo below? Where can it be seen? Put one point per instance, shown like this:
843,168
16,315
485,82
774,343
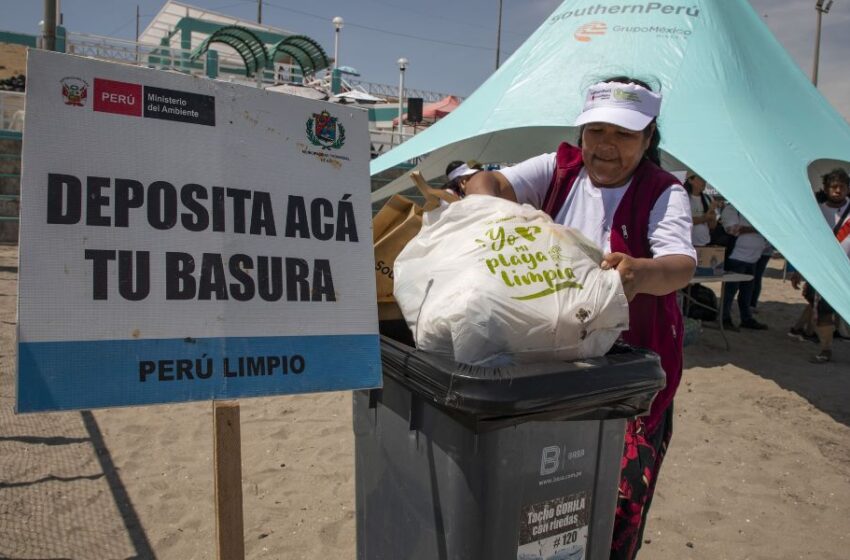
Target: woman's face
612,153
836,192
697,184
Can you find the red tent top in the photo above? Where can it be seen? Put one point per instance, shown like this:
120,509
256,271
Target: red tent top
437,110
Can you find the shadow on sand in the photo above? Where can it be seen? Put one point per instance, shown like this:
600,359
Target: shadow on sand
773,355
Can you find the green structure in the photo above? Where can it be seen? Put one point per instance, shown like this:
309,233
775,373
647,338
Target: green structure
186,35
243,41
306,52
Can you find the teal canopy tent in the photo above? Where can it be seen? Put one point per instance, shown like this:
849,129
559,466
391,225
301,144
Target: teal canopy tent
737,110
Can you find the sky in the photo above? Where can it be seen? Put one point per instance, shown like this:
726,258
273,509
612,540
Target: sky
451,44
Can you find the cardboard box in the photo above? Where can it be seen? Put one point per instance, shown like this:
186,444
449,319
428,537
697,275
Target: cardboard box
710,261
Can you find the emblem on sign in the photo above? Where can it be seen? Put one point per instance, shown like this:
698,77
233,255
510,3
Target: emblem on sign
75,91
325,131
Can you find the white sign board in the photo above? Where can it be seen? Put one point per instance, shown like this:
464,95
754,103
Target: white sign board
187,239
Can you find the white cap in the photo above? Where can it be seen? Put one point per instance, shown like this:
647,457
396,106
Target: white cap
462,171
628,105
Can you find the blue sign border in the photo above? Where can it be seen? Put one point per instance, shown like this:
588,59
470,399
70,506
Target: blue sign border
74,375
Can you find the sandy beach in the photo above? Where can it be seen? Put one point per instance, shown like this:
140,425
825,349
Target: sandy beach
759,466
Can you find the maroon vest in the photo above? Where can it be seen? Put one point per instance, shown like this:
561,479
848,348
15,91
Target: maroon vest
655,322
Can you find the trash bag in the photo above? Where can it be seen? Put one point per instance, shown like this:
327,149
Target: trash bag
396,223
493,283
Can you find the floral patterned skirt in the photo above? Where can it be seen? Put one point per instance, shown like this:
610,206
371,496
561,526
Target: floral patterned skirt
642,457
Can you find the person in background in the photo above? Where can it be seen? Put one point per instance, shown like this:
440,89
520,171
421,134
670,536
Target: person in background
836,210
459,173
704,215
749,246
612,189
761,266
703,210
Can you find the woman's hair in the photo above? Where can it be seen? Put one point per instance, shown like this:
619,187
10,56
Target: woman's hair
687,184
454,184
453,165
652,153
836,175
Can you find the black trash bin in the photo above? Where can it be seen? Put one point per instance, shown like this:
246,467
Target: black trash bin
467,463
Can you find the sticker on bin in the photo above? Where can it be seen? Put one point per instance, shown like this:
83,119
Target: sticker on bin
555,529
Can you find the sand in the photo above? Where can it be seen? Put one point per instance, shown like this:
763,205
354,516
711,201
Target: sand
13,60
759,467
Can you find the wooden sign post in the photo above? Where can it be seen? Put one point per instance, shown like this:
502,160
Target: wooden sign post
227,442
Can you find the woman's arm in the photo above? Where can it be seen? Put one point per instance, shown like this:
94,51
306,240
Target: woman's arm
674,258
657,277
490,183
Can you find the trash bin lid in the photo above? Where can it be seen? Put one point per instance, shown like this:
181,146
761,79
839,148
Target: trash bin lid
620,384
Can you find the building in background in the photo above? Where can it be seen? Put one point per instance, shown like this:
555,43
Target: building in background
201,42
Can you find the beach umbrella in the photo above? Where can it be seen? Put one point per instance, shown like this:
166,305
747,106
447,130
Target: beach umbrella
737,110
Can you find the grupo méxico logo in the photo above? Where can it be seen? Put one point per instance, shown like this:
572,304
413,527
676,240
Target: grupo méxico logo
586,32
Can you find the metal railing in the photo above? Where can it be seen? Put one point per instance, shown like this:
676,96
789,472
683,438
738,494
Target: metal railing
392,91
12,110
131,52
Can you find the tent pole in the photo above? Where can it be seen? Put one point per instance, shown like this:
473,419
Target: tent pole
817,49
499,35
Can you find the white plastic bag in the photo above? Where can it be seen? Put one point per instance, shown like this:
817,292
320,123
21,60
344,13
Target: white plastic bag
492,283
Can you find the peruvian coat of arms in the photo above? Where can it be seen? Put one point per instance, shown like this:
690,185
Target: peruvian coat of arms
75,91
325,131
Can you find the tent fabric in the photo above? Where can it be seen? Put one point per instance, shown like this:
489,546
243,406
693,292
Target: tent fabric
737,110
355,95
299,90
437,109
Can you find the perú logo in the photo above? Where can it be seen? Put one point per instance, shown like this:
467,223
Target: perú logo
586,32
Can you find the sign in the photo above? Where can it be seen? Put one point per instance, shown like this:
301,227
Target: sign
556,528
187,239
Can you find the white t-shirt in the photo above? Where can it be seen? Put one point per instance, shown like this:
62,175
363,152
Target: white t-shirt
832,215
590,209
749,247
701,235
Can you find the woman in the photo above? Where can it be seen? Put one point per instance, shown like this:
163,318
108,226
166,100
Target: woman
613,190
703,210
749,247
459,174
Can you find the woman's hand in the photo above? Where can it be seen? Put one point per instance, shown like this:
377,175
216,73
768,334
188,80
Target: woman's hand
629,269
658,277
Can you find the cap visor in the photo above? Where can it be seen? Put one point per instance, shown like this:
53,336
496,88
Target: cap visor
627,118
